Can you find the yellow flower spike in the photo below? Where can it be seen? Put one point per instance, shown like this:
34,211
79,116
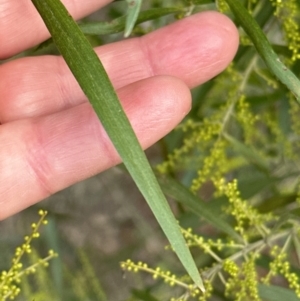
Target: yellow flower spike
9,280
287,13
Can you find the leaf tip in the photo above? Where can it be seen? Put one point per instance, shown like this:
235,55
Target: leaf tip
201,287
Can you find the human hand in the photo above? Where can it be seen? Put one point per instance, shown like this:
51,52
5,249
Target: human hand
50,137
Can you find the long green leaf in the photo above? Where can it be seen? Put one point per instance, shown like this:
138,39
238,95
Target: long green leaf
276,293
264,48
91,76
248,153
181,194
118,24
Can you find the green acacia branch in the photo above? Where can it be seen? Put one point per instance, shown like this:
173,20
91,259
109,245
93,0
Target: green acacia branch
253,247
264,48
93,79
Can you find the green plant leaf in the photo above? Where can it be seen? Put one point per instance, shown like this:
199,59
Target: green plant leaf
91,76
118,24
248,153
134,7
264,48
276,202
276,293
181,194
143,295
200,2
253,181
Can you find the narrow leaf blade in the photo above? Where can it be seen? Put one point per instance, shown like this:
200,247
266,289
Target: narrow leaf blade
118,24
248,153
276,293
134,7
181,194
91,76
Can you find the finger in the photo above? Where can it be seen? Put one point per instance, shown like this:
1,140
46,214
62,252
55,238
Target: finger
21,27
194,49
40,156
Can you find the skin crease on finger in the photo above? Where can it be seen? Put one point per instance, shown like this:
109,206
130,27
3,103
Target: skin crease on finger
64,143
205,44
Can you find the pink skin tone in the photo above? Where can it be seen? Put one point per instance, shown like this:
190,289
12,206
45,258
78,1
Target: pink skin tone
50,137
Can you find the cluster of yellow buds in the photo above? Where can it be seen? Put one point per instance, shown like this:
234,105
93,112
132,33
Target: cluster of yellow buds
10,279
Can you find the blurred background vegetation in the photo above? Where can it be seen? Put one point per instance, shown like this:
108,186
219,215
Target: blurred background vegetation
246,129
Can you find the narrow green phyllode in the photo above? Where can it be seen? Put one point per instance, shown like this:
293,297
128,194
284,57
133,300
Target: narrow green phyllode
119,24
92,78
264,48
134,7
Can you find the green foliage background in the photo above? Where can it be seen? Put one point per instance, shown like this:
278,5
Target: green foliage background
232,167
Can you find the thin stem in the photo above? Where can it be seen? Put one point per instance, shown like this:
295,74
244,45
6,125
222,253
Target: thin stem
229,111
222,278
200,243
254,246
